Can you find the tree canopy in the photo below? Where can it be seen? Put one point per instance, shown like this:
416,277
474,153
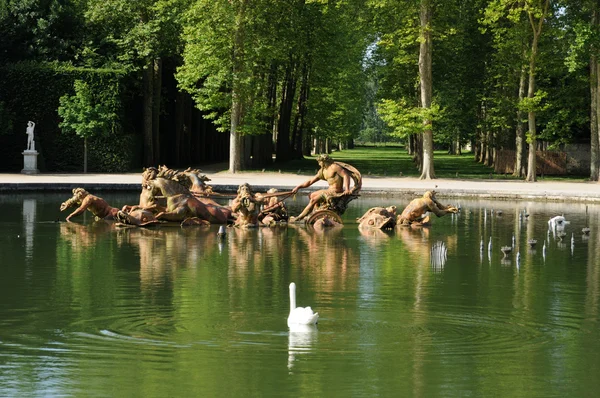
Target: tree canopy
266,81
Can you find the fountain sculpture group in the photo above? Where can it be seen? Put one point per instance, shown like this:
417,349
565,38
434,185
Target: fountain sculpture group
169,196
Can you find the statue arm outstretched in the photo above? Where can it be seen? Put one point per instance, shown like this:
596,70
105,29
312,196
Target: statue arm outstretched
308,183
436,207
439,209
79,210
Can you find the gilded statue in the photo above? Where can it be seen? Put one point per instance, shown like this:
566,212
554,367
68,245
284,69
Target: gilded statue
416,211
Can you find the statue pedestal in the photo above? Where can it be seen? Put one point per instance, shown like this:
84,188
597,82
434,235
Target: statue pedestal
30,162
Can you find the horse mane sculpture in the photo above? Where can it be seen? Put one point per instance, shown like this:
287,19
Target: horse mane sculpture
196,181
181,203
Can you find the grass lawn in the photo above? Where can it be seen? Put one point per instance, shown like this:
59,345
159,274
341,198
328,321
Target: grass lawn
394,161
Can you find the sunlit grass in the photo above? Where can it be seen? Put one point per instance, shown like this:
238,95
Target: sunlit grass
395,161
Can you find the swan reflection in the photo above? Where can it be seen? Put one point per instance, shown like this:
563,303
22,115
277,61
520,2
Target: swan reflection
301,341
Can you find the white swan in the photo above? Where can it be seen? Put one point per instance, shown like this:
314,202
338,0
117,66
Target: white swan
300,315
557,221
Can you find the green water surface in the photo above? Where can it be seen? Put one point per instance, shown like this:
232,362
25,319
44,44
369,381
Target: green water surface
90,310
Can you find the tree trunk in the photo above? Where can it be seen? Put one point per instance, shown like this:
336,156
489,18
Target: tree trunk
262,150
156,93
426,83
186,149
179,110
148,80
85,154
285,114
235,143
595,103
301,110
482,148
537,30
519,170
531,160
481,131
418,154
247,142
488,148
307,145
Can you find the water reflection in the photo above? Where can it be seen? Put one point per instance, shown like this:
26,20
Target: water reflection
84,236
29,220
324,256
375,237
209,313
301,340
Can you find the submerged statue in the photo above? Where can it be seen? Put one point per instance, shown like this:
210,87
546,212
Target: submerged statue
274,210
325,223
136,217
246,206
86,201
378,218
416,211
336,197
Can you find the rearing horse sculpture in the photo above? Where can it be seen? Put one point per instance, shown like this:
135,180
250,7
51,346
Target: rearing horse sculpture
181,203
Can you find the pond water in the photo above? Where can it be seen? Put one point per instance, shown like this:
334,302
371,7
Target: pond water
87,310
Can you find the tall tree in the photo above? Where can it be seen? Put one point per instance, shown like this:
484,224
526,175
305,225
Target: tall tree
535,12
226,79
87,114
426,86
143,32
395,54
583,52
235,142
594,103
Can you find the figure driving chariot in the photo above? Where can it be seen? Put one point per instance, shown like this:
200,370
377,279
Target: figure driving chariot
345,182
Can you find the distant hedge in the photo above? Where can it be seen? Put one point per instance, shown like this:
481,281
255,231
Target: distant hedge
31,91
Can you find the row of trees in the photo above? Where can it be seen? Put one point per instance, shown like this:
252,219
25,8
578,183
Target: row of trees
284,77
275,75
503,73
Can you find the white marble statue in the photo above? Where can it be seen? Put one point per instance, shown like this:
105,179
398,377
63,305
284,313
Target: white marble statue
30,140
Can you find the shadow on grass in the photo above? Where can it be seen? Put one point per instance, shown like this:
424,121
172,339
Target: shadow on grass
395,162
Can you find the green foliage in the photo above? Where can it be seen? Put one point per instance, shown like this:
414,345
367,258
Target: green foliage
534,104
26,99
577,58
5,120
131,33
361,60
277,39
207,70
40,30
114,154
404,119
85,114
